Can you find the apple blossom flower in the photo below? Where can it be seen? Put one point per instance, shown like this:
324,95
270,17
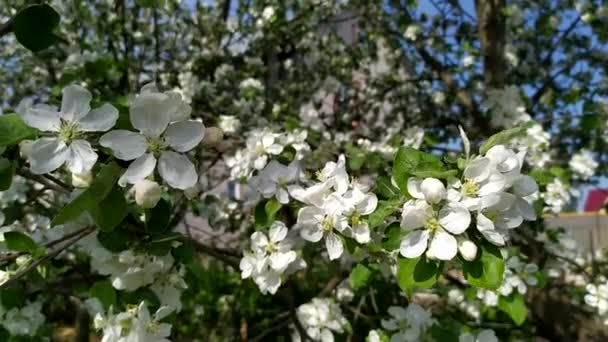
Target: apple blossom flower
320,318
68,127
273,180
427,223
270,256
485,335
408,324
160,136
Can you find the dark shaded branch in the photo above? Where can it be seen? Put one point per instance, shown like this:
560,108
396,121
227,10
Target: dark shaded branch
491,32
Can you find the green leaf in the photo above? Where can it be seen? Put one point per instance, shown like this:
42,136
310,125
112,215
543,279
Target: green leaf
104,291
115,204
487,270
417,273
7,169
89,199
12,298
13,130
541,176
184,253
19,242
515,307
360,277
504,137
441,174
160,217
356,157
115,241
386,189
408,161
34,25
383,210
265,212
393,236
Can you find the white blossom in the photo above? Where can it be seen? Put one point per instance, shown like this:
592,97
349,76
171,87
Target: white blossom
67,127
408,324
321,318
164,133
583,164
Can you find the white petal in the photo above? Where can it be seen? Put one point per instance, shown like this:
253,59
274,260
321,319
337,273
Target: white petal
312,233
414,214
334,246
42,117
433,189
75,102
361,233
180,110
443,246
46,155
277,232
99,119
150,113
184,135
280,260
478,169
177,170
82,158
414,243
125,145
466,144
327,336
509,219
525,209
484,223
413,187
524,185
259,240
139,169
455,218
368,205
495,183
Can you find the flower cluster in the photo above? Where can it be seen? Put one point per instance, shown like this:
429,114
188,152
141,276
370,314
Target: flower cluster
270,256
261,145
583,164
128,270
507,106
492,189
24,321
408,324
597,297
134,324
518,276
335,208
321,318
485,335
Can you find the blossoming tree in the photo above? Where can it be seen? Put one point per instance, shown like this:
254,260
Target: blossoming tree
308,170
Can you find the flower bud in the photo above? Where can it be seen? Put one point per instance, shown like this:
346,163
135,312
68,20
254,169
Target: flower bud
433,189
213,136
147,193
468,250
82,180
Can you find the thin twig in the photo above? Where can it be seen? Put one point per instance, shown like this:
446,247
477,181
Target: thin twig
45,258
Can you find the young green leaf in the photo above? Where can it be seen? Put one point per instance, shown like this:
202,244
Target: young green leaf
13,130
17,241
409,161
89,199
504,137
487,269
417,273
360,277
515,307
104,291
